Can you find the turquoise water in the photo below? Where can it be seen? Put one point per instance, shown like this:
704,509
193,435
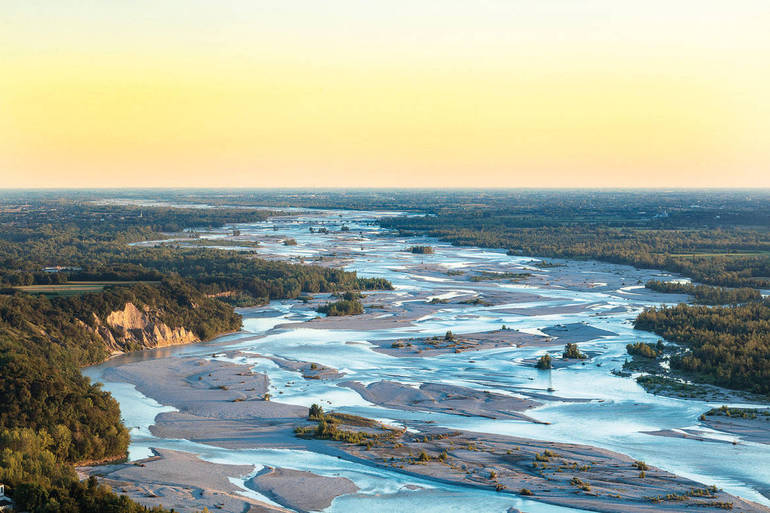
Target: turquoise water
615,416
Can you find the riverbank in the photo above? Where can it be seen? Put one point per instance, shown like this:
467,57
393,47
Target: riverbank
181,481
482,383
222,404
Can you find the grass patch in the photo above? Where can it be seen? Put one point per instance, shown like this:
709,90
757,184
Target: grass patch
74,288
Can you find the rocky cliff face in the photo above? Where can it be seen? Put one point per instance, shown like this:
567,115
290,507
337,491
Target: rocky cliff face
133,328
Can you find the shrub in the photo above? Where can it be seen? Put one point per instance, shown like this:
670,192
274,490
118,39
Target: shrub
583,485
642,349
316,412
342,307
571,351
544,362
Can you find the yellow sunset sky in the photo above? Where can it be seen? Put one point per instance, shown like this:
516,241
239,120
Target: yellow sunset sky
399,94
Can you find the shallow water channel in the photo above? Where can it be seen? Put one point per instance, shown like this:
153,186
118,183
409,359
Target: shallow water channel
605,296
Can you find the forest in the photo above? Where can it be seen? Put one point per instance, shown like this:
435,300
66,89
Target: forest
645,350
652,208
95,242
727,346
714,237
55,417
736,257
342,307
705,294
717,238
52,416
421,250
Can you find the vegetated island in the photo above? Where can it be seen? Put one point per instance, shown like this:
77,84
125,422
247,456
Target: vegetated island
751,424
452,343
228,409
421,250
342,307
556,473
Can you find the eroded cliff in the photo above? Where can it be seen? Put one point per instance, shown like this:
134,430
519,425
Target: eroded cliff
133,328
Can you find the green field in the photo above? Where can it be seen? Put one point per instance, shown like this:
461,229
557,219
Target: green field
74,288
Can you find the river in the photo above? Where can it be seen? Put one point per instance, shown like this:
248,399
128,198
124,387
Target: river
616,412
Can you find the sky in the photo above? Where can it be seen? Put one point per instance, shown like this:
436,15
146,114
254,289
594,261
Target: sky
361,93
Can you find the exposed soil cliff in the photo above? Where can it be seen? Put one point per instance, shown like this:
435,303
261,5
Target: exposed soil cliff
133,328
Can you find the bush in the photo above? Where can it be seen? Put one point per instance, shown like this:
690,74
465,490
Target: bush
544,362
316,412
725,346
583,485
571,351
644,350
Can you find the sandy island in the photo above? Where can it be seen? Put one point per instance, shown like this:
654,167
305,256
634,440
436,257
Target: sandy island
432,346
182,481
224,405
444,398
299,490
558,473
750,424
308,370
576,332
220,405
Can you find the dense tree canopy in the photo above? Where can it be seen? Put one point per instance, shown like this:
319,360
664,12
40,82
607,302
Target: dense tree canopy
342,307
707,295
51,416
726,346
708,256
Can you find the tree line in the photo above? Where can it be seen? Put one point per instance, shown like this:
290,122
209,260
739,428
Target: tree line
727,346
101,251
708,256
705,294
